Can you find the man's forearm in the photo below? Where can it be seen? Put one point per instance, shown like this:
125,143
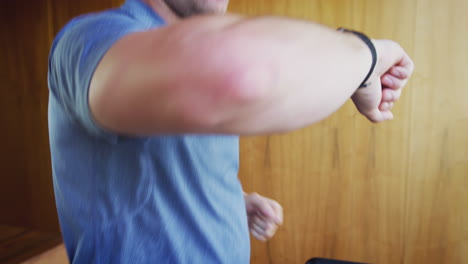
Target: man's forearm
228,74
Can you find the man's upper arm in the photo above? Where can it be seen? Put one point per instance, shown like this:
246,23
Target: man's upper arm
180,78
75,54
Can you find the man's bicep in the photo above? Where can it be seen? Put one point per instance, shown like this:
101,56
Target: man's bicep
169,80
120,97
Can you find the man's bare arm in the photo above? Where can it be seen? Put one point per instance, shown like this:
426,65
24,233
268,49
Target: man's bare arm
226,74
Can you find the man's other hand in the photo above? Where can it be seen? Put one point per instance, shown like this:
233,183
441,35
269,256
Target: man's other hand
264,216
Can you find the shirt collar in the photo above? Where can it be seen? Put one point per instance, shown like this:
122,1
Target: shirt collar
143,12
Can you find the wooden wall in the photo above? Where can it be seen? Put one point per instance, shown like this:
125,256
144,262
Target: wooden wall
27,29
388,193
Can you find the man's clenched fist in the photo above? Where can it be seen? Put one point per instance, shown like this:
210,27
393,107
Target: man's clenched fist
264,216
392,71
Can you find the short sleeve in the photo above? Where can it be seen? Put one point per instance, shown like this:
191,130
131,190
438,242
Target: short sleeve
75,54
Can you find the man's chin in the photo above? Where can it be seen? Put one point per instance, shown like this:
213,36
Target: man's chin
214,7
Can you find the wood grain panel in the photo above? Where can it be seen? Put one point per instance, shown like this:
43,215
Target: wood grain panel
27,31
26,194
388,193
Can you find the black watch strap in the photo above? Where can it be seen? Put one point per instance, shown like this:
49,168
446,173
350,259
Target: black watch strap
372,50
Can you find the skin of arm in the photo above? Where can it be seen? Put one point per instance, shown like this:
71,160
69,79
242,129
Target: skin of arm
226,74
236,75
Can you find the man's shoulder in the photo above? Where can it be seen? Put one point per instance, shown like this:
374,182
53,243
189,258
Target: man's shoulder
93,32
96,22
75,53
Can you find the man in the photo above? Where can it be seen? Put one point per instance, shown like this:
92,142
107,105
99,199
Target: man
146,105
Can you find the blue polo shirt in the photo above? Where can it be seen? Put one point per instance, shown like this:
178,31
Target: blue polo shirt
120,199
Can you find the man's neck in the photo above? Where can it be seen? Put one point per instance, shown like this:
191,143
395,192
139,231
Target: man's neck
163,10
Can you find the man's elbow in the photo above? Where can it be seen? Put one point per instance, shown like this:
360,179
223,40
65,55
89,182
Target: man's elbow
219,104
251,84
